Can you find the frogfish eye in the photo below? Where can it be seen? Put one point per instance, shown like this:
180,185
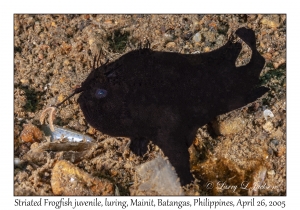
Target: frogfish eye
100,93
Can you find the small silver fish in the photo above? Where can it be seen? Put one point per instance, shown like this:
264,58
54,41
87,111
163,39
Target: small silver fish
64,133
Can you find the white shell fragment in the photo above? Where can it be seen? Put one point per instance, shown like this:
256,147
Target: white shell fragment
268,113
17,161
64,133
158,175
258,180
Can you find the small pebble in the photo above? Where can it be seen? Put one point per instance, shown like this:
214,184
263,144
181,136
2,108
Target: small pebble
271,21
171,45
66,62
229,126
206,49
178,32
61,97
279,63
274,141
187,35
281,151
91,131
210,36
168,37
24,82
31,133
267,56
278,134
41,56
271,173
252,17
270,151
196,26
268,126
68,180
220,40
109,23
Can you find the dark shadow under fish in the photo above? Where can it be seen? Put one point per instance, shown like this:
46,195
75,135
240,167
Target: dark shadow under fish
165,97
